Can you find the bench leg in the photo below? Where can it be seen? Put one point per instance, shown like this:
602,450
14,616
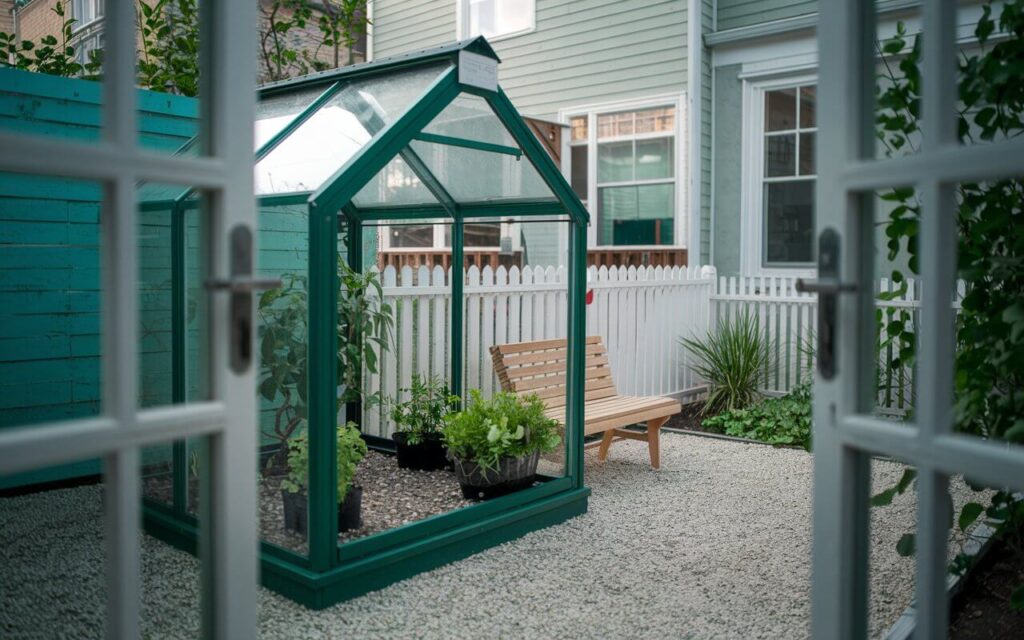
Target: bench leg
654,440
606,442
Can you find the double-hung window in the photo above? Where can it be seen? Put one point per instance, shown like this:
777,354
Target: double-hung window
85,12
632,187
495,18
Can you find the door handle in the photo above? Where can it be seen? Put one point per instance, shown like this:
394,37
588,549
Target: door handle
241,285
828,286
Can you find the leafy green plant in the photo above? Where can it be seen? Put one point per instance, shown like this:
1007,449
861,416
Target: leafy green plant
506,426
778,421
50,55
364,326
422,415
731,359
989,371
351,450
169,52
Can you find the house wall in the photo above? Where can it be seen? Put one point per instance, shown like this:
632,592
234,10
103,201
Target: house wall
742,13
37,19
6,16
728,107
582,51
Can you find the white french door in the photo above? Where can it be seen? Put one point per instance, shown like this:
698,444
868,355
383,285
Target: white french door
846,433
226,417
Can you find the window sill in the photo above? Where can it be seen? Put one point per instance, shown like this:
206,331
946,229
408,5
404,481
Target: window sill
508,36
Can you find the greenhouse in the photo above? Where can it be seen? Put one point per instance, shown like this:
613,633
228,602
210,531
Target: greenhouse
419,144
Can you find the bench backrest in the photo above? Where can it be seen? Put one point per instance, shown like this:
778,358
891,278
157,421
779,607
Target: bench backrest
540,367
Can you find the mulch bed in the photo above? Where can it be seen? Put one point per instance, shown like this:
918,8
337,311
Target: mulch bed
981,611
689,419
392,497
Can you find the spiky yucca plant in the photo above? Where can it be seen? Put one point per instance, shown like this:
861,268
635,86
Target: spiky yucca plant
731,358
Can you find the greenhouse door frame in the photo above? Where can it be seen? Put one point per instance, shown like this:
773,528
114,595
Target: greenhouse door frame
846,434
228,540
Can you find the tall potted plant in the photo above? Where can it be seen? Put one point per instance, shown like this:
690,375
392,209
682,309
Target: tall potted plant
295,487
495,444
418,423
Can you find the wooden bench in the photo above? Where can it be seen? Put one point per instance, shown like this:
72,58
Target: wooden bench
540,367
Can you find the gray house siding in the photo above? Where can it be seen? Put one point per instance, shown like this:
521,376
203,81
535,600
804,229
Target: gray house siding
706,106
582,51
728,146
743,13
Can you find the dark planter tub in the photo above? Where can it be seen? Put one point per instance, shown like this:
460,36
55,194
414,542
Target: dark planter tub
511,475
296,510
428,455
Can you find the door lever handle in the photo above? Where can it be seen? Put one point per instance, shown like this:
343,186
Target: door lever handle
825,286
242,284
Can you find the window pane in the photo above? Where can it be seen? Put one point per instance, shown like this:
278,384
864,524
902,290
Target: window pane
580,182
656,120
654,159
471,175
808,99
484,234
780,155
780,110
470,117
807,154
610,125
579,128
614,161
274,113
395,184
789,222
497,17
641,215
412,236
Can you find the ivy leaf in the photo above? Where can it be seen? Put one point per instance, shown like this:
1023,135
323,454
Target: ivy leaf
1017,599
905,547
969,514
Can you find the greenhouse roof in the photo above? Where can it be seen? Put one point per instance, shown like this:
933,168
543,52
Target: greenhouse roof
428,135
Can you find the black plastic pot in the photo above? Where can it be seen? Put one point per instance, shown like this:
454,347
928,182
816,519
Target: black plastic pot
511,475
428,455
296,509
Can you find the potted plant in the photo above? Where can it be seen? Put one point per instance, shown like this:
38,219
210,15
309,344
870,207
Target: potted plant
294,493
495,444
418,423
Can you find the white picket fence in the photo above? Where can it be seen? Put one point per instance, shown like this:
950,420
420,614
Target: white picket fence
637,312
641,314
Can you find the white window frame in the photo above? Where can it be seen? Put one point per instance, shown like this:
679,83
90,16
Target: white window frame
752,231
680,171
462,23
507,229
97,15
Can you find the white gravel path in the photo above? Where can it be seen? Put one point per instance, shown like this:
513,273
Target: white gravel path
714,545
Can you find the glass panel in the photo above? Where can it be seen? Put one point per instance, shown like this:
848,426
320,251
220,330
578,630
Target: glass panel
807,154
580,175
483,234
654,159
789,222
579,128
610,125
656,120
780,110
780,155
636,215
470,175
411,236
338,129
50,323
275,112
470,117
808,102
614,161
395,184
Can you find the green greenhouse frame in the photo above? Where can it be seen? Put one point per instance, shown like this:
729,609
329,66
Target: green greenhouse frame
334,571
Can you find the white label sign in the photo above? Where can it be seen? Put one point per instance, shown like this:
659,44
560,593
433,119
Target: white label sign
478,71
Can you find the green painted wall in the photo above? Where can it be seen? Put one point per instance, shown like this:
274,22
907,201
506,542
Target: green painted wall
728,106
582,51
742,13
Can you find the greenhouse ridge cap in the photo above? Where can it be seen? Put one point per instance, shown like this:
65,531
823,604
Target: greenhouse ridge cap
477,45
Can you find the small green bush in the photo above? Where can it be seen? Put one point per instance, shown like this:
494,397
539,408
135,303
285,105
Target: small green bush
731,359
779,421
422,415
351,450
506,426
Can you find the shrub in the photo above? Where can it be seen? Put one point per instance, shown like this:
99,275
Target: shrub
731,359
779,421
506,426
351,450
422,415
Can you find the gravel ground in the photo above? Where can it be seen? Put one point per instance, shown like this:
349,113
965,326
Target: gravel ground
714,545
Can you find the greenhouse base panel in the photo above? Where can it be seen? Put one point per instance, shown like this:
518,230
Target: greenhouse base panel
374,562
